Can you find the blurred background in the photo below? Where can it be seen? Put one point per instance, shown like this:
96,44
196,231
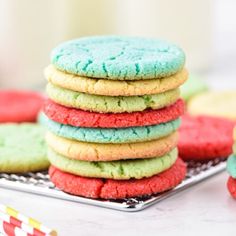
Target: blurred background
29,29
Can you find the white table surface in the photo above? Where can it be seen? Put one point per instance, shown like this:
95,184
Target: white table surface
205,209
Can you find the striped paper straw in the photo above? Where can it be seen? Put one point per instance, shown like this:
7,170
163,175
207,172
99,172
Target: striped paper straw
27,220
27,228
12,230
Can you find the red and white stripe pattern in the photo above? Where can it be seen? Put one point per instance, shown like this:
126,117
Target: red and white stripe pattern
12,230
6,219
17,224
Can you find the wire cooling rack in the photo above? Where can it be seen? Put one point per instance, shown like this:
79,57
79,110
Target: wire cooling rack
39,183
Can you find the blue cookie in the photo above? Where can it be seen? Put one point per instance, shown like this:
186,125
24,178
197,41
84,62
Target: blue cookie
111,135
118,58
231,166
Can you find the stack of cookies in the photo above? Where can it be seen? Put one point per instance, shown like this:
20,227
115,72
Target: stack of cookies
113,115
231,167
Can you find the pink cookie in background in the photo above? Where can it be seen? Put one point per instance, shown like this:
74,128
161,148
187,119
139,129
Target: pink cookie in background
205,138
117,189
231,185
19,106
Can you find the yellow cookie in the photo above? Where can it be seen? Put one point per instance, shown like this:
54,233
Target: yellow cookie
109,152
114,87
221,104
234,134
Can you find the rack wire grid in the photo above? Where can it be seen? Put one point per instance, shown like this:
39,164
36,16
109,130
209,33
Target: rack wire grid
39,183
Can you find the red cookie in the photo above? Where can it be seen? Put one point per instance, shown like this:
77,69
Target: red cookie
19,106
231,185
204,138
116,189
75,117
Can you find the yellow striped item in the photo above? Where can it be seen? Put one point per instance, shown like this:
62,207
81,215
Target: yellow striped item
27,220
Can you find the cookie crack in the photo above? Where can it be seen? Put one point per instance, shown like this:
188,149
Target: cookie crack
87,64
137,68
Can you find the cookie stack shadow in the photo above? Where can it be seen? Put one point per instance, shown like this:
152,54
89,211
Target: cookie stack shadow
112,116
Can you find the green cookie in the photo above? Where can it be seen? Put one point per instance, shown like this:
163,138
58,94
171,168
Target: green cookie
22,148
98,103
192,87
124,169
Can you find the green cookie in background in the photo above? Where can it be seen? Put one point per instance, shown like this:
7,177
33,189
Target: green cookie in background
193,86
22,148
